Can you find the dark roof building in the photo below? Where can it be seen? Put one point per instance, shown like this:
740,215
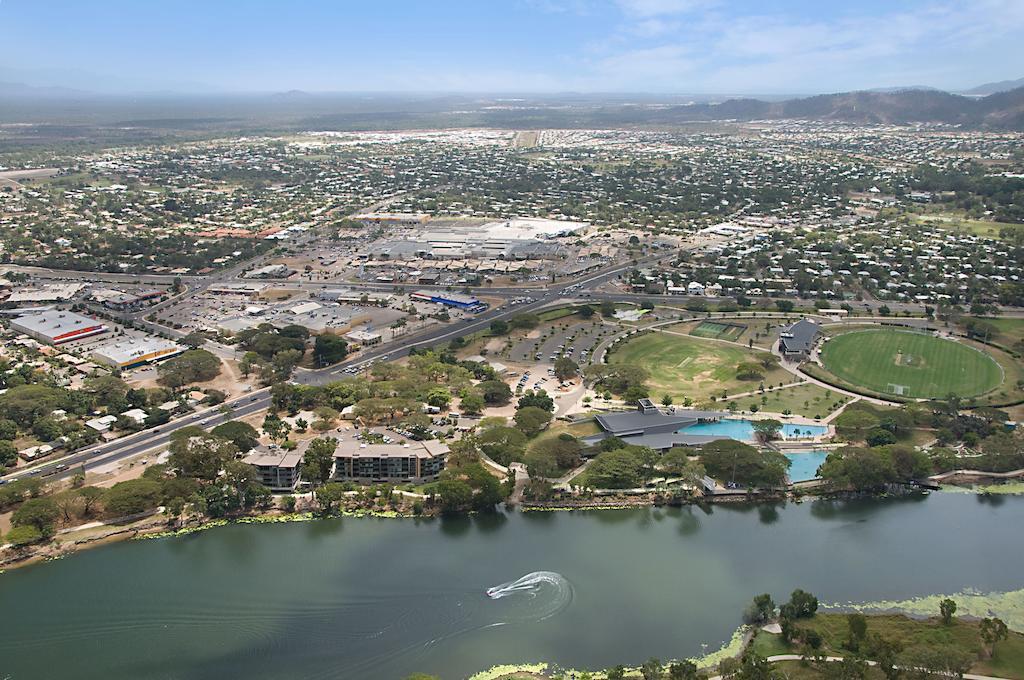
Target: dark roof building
655,428
798,339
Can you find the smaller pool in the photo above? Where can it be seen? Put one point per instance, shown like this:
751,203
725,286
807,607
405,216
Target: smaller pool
804,465
742,429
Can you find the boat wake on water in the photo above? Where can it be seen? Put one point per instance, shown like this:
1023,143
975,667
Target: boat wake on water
545,593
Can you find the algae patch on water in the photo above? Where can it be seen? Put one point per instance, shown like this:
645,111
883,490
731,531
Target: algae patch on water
1008,606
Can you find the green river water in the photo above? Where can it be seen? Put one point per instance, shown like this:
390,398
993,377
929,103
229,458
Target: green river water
381,598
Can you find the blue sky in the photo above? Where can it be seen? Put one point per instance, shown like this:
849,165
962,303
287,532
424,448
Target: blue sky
663,46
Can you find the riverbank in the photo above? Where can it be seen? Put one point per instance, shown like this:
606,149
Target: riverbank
907,624
155,525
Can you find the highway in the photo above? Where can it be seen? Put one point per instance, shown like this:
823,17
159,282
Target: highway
586,288
125,447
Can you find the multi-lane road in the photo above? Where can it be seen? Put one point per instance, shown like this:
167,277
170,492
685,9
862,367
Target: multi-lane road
110,452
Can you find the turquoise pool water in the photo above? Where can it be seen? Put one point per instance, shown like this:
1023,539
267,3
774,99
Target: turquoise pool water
742,429
804,465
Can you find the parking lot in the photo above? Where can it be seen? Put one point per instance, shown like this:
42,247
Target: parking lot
572,340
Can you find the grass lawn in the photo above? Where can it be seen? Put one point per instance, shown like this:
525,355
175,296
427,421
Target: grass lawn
1010,330
1007,660
966,225
910,364
558,427
803,400
558,313
685,366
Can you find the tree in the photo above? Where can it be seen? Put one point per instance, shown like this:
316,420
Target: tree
735,461
194,340
749,371
531,420
91,496
275,428
8,453
243,435
132,497
439,397
859,469
538,398
455,494
21,536
947,608
495,392
879,437
329,495
194,365
329,349
499,327
766,430
619,469
40,513
801,605
784,306
992,630
566,368
761,610
472,404
616,673
200,455
502,444
857,626
319,459
651,669
682,670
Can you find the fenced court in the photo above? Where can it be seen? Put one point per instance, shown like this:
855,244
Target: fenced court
719,330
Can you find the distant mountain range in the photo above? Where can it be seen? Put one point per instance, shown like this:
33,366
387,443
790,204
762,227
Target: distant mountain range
992,88
990,106
1002,110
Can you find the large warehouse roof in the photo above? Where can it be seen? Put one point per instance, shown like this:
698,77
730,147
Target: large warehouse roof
57,325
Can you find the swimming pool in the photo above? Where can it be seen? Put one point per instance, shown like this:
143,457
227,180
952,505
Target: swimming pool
739,428
804,465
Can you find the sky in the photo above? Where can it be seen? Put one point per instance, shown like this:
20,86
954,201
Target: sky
528,46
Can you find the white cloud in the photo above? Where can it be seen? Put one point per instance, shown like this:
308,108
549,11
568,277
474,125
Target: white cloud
653,8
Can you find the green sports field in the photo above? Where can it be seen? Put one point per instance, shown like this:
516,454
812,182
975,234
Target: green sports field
909,364
685,366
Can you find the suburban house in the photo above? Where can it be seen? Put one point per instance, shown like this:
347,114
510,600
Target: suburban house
797,341
655,428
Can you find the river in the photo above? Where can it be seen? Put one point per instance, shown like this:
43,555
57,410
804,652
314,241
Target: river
381,598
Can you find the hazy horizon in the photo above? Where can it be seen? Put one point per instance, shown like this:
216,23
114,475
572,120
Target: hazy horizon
536,47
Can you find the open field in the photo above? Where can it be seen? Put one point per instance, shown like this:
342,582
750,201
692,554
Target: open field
1010,330
962,224
808,400
907,364
685,366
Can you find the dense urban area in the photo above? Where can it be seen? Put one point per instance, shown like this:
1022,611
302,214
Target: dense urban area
281,326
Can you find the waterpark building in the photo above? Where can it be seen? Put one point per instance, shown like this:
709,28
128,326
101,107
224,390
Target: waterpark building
797,340
276,468
136,352
466,302
652,427
408,461
56,326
